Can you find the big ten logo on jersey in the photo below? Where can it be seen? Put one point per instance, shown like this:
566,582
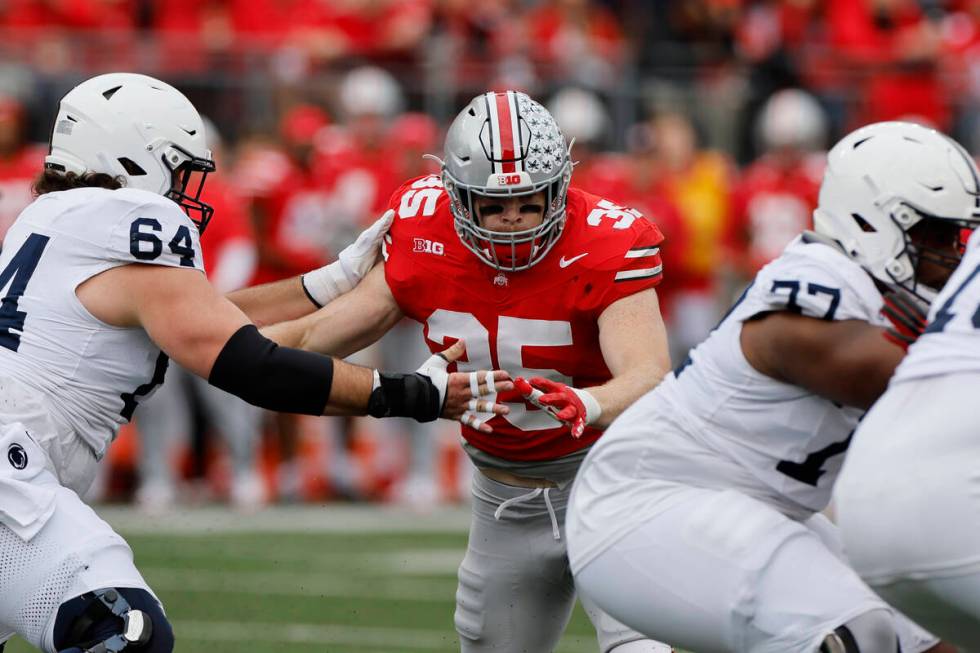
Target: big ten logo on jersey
421,197
606,210
428,246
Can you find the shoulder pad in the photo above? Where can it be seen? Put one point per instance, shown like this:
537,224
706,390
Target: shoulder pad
816,279
154,230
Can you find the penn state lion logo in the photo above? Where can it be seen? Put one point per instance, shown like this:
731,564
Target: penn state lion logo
17,456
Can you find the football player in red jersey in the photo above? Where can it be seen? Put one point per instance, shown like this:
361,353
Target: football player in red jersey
547,282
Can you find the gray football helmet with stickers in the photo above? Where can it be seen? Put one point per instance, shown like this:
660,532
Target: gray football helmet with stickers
506,145
139,129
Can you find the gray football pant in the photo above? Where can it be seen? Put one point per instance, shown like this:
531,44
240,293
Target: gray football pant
516,592
164,422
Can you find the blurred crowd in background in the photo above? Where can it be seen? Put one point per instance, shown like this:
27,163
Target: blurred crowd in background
710,116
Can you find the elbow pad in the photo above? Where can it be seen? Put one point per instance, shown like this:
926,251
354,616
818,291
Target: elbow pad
276,378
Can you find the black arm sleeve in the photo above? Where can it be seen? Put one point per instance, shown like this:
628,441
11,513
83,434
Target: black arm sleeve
272,377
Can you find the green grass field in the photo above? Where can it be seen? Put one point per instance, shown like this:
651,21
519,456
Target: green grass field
335,579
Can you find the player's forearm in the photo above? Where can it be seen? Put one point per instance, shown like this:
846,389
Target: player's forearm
274,302
350,391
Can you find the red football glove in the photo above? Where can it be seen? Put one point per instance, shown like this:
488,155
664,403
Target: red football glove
572,407
907,313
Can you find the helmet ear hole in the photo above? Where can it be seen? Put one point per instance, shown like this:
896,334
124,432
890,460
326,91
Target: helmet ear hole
864,224
131,167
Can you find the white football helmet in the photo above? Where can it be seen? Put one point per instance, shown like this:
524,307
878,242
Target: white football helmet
136,128
792,118
884,179
506,145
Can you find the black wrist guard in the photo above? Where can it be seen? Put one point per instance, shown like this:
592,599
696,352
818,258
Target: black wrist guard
405,395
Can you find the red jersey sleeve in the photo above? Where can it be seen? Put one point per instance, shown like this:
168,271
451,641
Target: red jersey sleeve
629,258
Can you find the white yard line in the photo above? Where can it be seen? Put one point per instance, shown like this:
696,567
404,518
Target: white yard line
327,518
297,584
357,637
335,634
401,562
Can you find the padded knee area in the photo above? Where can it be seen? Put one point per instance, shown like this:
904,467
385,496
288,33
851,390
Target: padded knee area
161,640
871,632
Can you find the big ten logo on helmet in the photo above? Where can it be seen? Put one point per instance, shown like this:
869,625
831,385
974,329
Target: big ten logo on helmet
428,246
509,180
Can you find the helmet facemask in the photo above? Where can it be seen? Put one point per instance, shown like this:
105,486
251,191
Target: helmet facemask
929,242
509,251
188,174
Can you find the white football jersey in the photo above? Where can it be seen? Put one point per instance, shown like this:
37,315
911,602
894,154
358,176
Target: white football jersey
790,440
87,374
951,342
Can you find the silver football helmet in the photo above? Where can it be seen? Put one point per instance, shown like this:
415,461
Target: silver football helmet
506,145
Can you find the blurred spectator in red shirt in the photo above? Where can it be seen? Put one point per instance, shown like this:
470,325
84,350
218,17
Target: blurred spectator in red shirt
575,39
191,29
894,49
358,162
70,14
287,203
333,28
633,180
412,136
775,198
20,162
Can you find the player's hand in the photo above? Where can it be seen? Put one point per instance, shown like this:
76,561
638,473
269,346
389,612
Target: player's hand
356,260
573,407
907,314
470,397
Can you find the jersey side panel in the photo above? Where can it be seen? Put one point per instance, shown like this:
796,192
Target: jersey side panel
789,439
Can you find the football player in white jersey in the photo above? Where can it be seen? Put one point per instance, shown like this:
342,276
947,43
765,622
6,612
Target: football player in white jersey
97,276
696,516
907,500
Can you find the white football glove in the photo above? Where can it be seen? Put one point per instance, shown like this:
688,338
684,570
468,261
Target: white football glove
325,284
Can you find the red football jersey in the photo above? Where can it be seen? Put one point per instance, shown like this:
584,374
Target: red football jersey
539,322
772,204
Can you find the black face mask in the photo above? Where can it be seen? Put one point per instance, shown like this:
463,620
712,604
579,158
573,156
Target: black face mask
189,180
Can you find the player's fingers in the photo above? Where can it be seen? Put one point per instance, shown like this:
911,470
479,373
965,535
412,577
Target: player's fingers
487,406
522,386
547,385
472,420
475,385
453,352
488,382
567,413
553,399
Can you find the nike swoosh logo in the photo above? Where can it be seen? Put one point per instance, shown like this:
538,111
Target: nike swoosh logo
564,262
